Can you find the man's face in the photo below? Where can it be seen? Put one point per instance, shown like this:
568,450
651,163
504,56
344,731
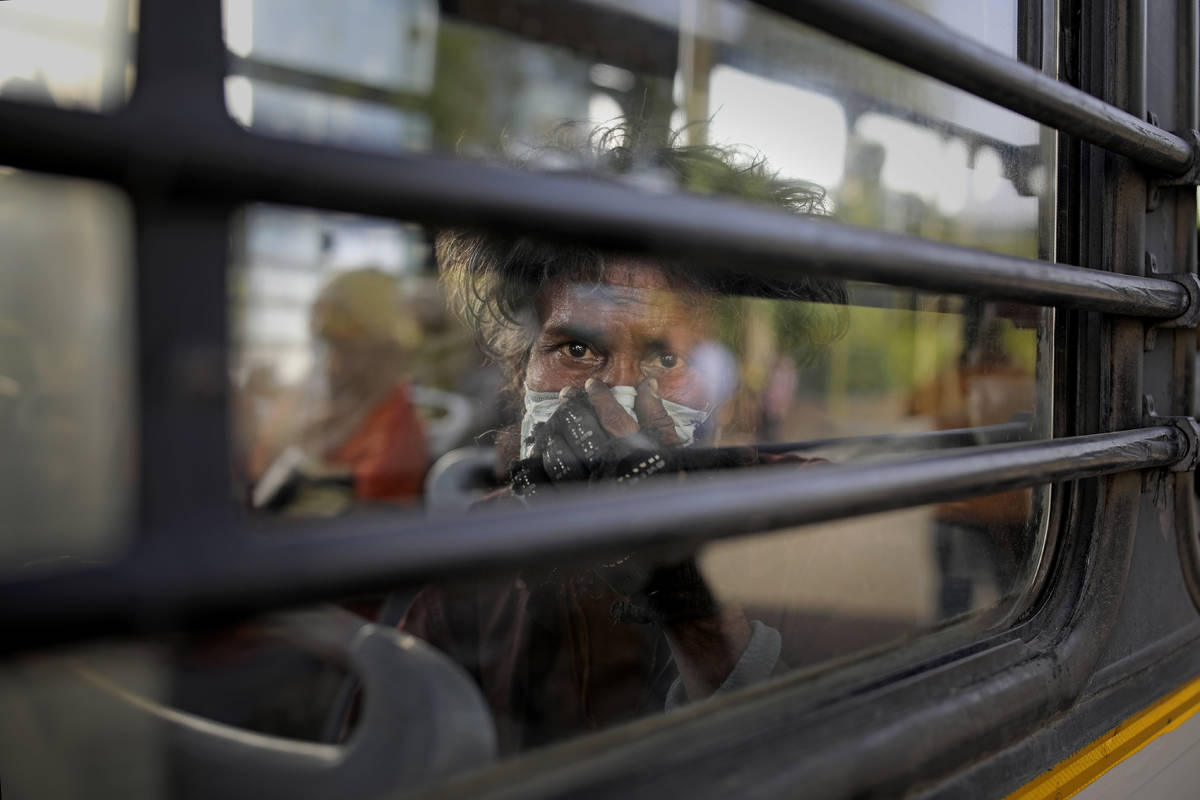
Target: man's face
631,326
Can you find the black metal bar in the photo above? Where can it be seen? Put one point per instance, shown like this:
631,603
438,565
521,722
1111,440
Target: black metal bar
910,442
182,249
286,75
924,44
180,63
168,586
1030,33
230,163
185,483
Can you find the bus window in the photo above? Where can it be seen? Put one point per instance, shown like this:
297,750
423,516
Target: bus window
635,368
384,367
387,372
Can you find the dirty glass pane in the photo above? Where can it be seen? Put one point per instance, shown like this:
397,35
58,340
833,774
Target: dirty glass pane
382,366
68,53
539,84
66,414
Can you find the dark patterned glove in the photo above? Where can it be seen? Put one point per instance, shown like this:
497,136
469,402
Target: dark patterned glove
574,447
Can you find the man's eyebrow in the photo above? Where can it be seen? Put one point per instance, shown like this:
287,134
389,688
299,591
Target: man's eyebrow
574,330
656,343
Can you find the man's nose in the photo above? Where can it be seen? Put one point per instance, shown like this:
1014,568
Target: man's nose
621,371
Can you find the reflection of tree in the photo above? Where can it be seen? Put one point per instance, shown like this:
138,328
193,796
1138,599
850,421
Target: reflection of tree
473,78
500,93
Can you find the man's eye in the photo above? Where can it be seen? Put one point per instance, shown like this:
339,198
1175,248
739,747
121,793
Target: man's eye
577,350
667,360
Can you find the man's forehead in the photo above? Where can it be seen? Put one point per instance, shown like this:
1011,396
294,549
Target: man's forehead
629,288
586,300
616,294
624,280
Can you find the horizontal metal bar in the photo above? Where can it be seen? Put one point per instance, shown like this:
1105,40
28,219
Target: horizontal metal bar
909,442
339,87
929,46
226,162
167,587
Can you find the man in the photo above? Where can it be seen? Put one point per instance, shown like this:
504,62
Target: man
619,374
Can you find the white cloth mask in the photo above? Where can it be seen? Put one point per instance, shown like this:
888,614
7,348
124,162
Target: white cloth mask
540,406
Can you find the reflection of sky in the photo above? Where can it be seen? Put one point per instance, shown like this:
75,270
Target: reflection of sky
802,133
992,23
989,22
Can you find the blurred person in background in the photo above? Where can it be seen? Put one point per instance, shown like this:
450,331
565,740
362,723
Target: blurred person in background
353,432
978,540
350,435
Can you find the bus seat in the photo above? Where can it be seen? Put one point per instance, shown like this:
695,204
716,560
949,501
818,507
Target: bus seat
422,717
460,477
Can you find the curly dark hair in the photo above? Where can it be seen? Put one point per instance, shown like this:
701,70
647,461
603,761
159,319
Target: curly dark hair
491,280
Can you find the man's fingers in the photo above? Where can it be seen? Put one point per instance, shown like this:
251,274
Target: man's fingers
561,462
576,427
653,417
614,418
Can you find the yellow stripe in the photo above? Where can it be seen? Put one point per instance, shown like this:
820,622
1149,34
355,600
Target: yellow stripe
1071,776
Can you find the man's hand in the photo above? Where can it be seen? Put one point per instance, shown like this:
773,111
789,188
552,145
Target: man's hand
653,421
591,438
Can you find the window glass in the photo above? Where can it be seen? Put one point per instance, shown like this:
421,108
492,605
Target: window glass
530,83
990,22
66,419
69,53
380,365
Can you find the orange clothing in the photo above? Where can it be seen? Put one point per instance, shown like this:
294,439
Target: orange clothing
388,452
